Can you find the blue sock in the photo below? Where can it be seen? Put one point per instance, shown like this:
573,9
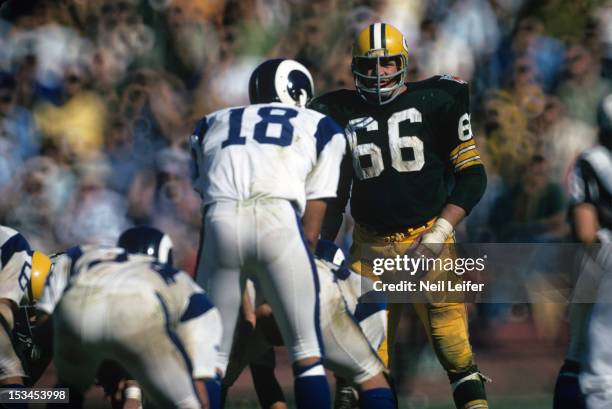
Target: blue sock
377,398
310,387
213,388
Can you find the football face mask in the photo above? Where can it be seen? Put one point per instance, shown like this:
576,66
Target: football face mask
378,78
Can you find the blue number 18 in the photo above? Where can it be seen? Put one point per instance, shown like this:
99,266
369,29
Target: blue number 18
268,115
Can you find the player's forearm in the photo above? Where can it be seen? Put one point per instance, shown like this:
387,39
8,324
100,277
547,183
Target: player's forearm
332,220
313,220
7,350
6,313
470,185
585,223
452,214
335,207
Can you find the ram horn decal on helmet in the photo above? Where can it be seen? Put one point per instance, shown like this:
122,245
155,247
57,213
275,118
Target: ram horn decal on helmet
281,80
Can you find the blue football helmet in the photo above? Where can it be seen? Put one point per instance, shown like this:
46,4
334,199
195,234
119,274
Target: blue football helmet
281,80
147,240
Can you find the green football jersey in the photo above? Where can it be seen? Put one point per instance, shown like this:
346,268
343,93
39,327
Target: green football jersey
402,154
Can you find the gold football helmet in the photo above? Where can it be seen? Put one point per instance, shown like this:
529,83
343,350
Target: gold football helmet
41,266
379,44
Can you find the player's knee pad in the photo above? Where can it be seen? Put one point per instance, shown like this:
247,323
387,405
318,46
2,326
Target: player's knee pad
448,330
468,388
567,389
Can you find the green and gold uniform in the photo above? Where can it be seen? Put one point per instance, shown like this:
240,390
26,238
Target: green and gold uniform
405,161
404,154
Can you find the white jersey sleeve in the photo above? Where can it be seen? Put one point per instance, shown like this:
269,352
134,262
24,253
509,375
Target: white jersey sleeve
322,181
266,151
199,327
15,265
62,269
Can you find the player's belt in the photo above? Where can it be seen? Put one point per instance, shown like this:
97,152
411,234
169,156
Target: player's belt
399,235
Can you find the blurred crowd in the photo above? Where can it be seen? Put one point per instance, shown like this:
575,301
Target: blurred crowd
98,98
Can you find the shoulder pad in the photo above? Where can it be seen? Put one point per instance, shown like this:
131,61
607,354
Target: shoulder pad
452,86
449,83
332,98
11,243
454,78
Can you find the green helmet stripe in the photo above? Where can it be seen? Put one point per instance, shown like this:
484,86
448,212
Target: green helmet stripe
371,36
383,38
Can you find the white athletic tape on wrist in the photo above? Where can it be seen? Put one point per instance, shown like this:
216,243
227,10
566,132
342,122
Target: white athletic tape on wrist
133,392
439,232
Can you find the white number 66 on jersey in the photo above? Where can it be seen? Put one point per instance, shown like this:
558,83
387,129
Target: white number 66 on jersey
396,143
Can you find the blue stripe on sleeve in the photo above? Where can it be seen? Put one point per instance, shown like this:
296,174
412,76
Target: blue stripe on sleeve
199,304
342,272
365,310
326,129
201,128
13,245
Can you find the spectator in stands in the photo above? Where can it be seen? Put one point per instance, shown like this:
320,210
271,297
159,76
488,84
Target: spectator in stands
17,126
561,139
531,211
80,118
583,87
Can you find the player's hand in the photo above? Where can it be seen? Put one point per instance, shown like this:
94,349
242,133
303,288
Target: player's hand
132,395
132,404
267,324
31,335
432,242
200,387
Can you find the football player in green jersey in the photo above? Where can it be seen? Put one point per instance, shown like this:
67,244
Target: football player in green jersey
407,140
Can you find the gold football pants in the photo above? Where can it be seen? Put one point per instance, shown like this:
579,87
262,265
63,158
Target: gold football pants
445,322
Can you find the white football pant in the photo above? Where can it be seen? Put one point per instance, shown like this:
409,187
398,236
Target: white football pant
261,240
131,328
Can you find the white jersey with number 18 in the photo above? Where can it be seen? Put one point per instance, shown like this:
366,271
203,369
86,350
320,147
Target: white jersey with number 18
266,151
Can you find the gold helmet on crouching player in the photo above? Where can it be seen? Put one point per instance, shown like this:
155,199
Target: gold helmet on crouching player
32,336
380,46
40,270
41,266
